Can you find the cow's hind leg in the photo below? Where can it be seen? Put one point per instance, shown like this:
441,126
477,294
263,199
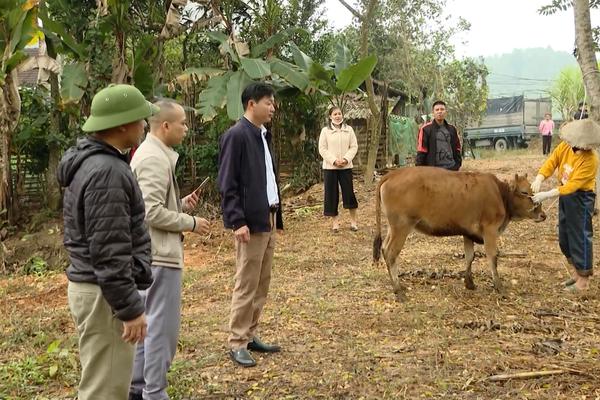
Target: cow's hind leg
469,257
491,251
395,242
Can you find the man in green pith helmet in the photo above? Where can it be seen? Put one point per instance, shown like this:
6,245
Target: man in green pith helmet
107,241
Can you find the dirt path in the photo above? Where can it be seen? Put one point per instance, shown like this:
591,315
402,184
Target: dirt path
343,334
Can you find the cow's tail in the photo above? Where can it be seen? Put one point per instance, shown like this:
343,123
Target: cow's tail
377,241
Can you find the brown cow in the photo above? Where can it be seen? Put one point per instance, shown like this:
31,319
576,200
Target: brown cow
437,202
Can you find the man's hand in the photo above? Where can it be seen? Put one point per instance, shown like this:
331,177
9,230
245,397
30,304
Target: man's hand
190,201
202,226
542,196
536,185
134,331
242,234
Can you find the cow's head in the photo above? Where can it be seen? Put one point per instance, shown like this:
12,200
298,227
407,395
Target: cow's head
523,206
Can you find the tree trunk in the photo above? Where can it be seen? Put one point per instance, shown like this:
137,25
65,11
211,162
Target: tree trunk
53,191
586,56
119,65
10,110
373,130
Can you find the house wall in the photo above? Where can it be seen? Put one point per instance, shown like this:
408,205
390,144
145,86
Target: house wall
360,129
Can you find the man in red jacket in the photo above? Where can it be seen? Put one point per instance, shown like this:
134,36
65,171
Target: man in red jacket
438,144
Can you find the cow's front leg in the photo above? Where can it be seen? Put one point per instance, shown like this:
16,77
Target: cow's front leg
469,257
491,250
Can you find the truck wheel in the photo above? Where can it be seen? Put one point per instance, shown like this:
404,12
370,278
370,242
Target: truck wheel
501,144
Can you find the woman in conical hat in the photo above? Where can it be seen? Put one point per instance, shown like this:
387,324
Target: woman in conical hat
576,164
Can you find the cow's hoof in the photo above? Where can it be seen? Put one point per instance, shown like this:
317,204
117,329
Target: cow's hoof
499,289
469,283
401,297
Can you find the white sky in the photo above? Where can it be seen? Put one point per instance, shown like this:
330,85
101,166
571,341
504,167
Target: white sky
497,26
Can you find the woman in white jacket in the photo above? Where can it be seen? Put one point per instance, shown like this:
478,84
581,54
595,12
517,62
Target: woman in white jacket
338,146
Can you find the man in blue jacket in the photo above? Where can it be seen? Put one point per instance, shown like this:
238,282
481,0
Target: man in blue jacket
250,201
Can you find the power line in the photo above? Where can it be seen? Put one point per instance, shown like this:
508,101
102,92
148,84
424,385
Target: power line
522,77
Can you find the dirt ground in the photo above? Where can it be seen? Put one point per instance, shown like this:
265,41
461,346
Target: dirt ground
343,334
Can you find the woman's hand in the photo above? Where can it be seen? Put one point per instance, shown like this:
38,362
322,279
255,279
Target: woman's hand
340,162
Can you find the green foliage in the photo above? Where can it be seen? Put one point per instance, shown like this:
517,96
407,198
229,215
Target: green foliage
206,149
226,89
351,77
235,86
296,129
36,266
31,136
335,80
290,73
24,377
465,91
214,96
562,5
73,82
567,91
16,30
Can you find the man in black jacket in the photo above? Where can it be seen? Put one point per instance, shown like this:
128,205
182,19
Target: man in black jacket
438,144
251,209
107,241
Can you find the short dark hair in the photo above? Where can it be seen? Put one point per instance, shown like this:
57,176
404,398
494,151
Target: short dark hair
437,103
256,91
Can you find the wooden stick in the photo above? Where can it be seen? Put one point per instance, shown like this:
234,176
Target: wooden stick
527,375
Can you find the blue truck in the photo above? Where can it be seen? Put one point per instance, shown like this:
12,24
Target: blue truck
509,123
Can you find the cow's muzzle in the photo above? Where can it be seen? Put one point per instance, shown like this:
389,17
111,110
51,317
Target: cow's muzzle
541,217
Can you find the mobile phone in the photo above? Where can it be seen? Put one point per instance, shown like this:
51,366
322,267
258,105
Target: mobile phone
204,182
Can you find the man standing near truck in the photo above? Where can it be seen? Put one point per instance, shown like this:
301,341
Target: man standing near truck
438,144
546,127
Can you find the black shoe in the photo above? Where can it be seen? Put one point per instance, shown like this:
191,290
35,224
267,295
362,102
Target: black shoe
242,357
135,396
257,345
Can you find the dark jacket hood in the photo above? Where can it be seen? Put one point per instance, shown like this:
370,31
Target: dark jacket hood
76,155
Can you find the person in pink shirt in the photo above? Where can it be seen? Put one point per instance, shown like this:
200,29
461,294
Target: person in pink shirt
546,128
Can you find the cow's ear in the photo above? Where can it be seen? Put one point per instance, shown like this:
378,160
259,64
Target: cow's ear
525,175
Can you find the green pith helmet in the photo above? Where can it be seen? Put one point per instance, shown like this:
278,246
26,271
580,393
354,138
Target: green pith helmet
117,105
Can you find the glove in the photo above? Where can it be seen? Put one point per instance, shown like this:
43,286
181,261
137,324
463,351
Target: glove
541,196
536,185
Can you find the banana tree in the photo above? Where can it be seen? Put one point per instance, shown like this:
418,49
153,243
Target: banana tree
335,80
17,28
224,86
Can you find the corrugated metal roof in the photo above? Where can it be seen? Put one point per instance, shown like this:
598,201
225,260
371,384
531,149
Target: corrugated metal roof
30,78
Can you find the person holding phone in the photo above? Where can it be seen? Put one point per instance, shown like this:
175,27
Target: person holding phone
153,165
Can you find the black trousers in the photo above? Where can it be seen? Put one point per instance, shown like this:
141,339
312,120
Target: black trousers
575,230
546,144
334,179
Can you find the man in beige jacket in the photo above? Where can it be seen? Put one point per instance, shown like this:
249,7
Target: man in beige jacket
153,165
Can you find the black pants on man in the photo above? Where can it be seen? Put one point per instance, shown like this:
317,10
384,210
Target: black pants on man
546,144
332,178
